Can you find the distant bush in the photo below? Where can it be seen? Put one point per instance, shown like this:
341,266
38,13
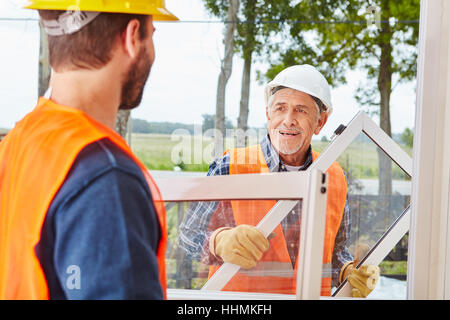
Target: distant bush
407,137
143,126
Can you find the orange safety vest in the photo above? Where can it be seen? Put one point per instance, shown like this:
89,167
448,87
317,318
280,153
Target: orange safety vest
274,272
35,158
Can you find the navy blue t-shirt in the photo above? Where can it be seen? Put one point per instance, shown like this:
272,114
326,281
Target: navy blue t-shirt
101,233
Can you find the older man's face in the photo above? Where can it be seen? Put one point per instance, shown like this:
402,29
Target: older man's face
292,119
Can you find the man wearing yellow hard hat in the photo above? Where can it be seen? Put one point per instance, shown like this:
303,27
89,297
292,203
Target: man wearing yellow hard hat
80,217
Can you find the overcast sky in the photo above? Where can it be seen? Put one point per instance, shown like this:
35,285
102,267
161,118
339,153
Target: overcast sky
183,80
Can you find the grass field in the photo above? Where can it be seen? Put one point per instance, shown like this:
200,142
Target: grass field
164,152
193,153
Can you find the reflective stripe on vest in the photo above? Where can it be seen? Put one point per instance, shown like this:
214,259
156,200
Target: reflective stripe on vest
274,273
35,158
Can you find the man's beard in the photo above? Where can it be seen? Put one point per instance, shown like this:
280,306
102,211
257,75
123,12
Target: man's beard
133,86
284,147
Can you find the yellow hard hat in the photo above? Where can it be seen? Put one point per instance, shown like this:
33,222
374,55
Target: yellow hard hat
156,8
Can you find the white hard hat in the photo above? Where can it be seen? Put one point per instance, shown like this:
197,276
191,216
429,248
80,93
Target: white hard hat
303,78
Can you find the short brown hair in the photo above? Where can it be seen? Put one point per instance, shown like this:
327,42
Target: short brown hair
91,47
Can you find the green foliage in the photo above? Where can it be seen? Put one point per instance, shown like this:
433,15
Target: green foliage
143,126
407,137
209,122
256,23
345,41
393,267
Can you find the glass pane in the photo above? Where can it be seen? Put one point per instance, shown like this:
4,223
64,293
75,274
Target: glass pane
392,284
275,271
378,193
183,266
191,260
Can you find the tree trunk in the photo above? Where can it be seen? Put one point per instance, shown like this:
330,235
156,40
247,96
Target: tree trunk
44,63
245,94
122,119
248,31
385,86
225,73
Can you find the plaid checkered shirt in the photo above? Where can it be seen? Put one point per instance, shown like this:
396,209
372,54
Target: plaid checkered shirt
194,233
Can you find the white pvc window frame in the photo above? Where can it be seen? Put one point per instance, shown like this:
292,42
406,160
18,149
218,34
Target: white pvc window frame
429,252
361,123
309,186
306,187
429,249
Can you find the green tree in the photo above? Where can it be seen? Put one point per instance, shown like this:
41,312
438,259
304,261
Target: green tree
143,126
209,122
254,27
324,139
407,137
378,37
231,8
140,126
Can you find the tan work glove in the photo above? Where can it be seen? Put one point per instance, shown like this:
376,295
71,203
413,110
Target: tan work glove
364,279
243,245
